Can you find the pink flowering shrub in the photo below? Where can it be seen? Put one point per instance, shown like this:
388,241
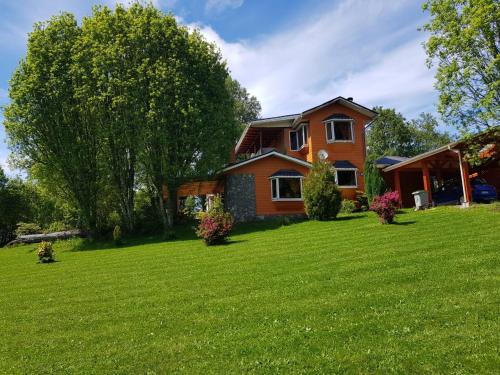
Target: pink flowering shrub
215,224
385,206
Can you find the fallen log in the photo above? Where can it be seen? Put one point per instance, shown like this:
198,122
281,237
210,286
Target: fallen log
35,238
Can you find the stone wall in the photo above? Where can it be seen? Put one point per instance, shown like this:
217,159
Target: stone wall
239,196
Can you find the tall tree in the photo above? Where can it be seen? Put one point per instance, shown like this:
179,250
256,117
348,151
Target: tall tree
45,122
392,134
389,134
247,107
464,43
426,134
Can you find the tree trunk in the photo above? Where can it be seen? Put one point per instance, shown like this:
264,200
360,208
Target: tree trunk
171,204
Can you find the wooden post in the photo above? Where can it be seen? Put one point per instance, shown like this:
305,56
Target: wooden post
464,171
397,186
427,181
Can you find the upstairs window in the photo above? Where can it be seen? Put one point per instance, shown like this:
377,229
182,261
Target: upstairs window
298,138
340,130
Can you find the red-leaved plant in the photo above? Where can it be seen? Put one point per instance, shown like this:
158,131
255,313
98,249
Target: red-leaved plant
385,206
215,224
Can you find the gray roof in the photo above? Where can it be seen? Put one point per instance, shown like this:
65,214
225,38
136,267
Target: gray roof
343,164
287,173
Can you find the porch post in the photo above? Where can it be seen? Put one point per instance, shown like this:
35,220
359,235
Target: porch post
427,180
464,174
397,186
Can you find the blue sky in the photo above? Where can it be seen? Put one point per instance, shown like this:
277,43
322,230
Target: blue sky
291,54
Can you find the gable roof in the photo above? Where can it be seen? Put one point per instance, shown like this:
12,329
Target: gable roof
345,102
265,155
389,160
287,173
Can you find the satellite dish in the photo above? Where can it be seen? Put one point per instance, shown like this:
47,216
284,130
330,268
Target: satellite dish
322,154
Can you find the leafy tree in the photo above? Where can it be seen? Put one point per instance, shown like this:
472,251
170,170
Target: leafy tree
45,122
392,134
426,135
322,198
389,134
247,107
464,43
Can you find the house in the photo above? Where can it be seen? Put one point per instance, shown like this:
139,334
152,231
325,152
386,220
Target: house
273,155
432,170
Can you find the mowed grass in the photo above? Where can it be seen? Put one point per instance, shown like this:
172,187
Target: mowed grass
346,296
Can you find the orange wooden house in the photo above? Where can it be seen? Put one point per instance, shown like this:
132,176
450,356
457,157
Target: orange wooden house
275,154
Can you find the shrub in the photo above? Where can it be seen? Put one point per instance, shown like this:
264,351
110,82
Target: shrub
189,210
117,235
385,206
57,226
362,201
374,183
348,206
322,198
27,228
45,252
215,224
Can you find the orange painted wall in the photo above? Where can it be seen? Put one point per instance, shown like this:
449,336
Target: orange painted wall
262,169
201,188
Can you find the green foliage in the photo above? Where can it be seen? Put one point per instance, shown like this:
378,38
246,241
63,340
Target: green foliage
189,210
464,44
57,226
215,224
322,198
391,134
247,107
117,235
362,199
374,182
348,206
45,252
27,228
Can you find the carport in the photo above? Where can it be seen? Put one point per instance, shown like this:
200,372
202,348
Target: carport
429,170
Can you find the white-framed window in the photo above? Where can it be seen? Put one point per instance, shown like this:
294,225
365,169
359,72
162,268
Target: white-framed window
346,177
286,188
298,138
339,130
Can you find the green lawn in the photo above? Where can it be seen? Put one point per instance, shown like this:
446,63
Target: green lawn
421,296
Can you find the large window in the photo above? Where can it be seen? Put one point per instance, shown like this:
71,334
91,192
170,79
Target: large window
339,131
298,138
286,188
346,178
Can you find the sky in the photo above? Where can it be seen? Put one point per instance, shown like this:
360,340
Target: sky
290,54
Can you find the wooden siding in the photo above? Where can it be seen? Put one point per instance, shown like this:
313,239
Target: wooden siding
201,188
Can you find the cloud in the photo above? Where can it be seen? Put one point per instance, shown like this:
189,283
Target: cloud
355,49
218,6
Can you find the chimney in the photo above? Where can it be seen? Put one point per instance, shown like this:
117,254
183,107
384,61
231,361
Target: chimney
350,99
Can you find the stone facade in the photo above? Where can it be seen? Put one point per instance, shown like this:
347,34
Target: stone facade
239,196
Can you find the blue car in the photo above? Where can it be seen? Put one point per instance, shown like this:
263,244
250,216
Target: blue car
451,192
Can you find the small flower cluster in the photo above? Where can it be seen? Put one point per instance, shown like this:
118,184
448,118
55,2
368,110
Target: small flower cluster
45,252
385,206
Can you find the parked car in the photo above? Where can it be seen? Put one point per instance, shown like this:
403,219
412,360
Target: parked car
451,192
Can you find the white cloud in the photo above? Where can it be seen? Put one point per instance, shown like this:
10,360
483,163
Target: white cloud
218,6
351,50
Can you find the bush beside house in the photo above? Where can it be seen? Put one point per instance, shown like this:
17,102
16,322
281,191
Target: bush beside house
215,224
322,198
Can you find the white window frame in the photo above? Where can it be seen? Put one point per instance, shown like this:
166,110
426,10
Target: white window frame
347,186
278,199
304,138
331,123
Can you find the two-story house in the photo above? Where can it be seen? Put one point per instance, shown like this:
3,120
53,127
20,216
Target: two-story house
275,154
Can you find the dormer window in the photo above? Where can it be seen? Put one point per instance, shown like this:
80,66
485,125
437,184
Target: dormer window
298,138
339,129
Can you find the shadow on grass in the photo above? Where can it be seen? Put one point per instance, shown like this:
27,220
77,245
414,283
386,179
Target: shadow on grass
350,217
403,223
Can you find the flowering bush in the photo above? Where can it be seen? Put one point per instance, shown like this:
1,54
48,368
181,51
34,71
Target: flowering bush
385,206
45,252
215,224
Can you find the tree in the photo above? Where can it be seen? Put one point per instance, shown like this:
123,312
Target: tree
322,198
374,183
45,122
426,135
391,134
247,107
464,43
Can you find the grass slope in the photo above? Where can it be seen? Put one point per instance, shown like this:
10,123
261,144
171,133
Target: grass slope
351,295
